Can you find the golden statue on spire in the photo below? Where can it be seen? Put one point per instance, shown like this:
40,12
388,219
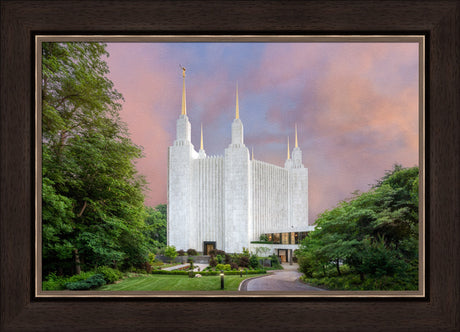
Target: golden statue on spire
184,107
237,112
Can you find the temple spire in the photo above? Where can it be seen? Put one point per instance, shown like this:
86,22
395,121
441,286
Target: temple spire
252,153
296,143
201,145
237,115
184,107
288,153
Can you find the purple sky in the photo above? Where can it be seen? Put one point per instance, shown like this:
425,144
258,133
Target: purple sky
355,105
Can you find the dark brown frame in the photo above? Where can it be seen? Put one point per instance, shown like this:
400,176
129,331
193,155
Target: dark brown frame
439,20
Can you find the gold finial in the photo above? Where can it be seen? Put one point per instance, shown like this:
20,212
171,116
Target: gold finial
296,143
201,146
184,107
289,155
237,107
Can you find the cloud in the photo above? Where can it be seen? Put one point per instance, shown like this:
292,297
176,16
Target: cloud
355,105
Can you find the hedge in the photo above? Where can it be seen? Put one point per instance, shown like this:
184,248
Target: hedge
210,273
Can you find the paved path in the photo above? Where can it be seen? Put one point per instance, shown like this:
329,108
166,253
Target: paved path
279,280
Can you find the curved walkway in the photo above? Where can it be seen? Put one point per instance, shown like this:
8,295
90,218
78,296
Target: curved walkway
278,280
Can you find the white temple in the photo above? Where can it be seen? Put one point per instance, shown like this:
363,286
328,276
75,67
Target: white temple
226,202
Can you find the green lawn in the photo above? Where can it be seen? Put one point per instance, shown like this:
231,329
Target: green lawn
160,282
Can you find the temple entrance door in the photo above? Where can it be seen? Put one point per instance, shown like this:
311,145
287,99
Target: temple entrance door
282,254
208,246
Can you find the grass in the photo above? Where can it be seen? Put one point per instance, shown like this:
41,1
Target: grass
158,282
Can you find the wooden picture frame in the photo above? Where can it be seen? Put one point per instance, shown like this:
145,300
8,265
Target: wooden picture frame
439,20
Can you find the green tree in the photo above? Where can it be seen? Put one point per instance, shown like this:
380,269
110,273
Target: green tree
156,221
171,253
374,233
93,202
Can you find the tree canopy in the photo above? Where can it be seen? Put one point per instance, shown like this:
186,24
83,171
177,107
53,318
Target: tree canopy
374,235
92,196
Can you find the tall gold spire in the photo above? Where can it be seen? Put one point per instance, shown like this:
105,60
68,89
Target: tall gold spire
184,108
289,154
201,146
237,116
296,143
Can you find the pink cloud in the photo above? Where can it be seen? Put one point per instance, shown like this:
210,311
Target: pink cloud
356,107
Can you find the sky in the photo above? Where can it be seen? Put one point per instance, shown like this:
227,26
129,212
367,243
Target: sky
355,105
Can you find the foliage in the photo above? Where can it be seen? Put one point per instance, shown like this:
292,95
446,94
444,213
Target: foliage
94,281
243,261
374,234
233,266
54,282
156,221
110,275
223,267
151,258
213,262
261,251
181,252
220,259
170,251
215,252
192,252
93,201
254,262
275,262
263,237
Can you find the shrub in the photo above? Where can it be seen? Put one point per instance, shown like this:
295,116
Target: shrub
212,262
254,262
171,252
110,275
233,266
243,261
228,259
190,260
192,252
223,267
53,282
215,252
94,281
275,261
181,252
220,259
263,237
152,257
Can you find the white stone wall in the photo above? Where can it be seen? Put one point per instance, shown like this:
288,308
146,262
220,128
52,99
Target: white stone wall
208,197
183,129
180,221
271,198
298,202
237,188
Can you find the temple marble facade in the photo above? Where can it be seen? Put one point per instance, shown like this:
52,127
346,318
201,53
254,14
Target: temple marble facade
227,201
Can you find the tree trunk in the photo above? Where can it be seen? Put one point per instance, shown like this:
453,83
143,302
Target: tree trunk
77,262
338,267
